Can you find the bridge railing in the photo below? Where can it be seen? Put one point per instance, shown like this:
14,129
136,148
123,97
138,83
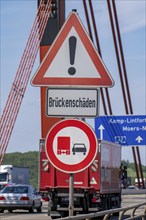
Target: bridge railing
107,214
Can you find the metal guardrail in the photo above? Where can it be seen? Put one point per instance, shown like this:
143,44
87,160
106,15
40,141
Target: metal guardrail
133,191
106,214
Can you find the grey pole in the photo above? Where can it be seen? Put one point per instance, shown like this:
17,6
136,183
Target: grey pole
71,194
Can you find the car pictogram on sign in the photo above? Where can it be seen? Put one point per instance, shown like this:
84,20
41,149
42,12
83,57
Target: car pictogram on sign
79,148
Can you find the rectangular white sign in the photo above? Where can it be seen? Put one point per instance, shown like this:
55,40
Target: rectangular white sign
72,102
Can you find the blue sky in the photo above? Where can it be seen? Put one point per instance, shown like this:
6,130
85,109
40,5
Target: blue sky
16,21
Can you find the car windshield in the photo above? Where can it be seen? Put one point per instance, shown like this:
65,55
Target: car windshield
16,189
3,177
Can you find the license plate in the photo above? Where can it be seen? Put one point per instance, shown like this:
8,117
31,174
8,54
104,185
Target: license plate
12,198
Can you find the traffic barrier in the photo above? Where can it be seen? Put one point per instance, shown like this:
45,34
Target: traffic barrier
133,191
108,213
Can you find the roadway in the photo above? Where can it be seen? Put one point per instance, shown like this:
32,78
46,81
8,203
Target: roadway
127,200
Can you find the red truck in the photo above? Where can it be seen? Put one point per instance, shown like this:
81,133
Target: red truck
96,188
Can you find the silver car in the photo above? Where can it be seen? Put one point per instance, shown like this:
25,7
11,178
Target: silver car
20,197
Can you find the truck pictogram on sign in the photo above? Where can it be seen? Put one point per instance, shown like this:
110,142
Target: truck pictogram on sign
63,145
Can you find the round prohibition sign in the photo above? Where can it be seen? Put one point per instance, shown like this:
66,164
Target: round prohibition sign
71,145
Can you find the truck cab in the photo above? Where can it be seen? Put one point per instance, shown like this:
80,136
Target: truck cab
5,174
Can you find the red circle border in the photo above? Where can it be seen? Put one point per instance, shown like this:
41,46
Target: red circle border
92,142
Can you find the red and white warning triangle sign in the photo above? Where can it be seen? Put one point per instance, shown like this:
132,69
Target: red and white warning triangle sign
72,60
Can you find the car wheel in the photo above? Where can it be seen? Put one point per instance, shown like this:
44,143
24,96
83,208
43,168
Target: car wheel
31,210
10,210
1,210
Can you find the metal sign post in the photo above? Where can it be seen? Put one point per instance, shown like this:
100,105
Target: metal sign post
71,194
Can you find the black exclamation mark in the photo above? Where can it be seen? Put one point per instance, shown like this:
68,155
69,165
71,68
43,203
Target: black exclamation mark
72,51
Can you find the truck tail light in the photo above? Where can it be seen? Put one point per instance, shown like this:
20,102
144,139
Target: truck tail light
24,198
45,199
94,200
2,198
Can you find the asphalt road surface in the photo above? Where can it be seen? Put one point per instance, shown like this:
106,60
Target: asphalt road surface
127,200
